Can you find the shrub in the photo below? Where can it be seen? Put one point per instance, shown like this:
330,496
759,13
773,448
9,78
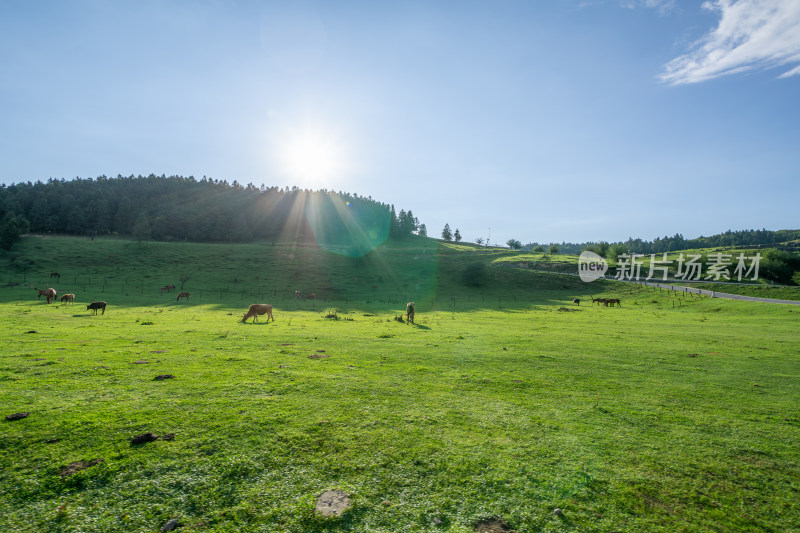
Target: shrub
474,275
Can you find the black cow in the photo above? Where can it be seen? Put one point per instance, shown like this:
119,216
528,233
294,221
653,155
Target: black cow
97,305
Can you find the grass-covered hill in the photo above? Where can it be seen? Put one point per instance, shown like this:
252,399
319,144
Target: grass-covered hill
417,269
506,407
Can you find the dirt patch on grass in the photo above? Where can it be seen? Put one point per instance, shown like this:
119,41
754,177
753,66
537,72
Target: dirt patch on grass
318,356
332,503
493,525
143,438
162,377
77,466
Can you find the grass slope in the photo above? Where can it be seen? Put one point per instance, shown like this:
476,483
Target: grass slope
503,401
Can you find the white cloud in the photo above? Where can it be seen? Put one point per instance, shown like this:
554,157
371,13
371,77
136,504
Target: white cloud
752,34
794,72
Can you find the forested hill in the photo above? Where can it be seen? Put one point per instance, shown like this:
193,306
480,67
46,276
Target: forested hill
744,238
206,210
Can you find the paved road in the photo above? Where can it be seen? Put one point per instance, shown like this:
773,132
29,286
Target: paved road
714,294
702,292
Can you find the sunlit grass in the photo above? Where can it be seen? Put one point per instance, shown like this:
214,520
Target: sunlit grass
506,401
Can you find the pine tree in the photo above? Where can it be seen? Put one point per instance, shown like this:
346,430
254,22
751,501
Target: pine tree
142,229
446,233
457,235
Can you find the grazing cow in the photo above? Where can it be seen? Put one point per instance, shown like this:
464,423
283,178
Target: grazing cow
49,294
311,296
576,301
69,298
55,275
182,295
94,306
167,288
410,312
298,295
258,309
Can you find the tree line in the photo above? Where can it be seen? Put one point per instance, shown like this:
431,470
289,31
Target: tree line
187,209
744,238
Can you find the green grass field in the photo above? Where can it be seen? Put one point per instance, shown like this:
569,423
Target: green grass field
504,401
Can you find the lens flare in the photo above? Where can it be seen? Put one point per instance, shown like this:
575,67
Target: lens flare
345,227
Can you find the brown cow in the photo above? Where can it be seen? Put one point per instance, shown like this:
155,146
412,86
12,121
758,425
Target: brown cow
410,312
94,306
55,275
311,296
49,294
69,298
182,295
258,309
167,288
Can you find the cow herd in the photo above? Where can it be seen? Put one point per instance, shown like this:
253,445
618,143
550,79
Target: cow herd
256,310
68,298
607,302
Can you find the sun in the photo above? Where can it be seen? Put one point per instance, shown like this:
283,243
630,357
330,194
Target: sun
313,157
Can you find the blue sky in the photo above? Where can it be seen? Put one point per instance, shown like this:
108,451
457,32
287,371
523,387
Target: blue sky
564,120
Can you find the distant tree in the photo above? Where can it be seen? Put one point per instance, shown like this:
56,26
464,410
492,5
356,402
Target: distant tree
616,250
779,266
600,248
457,236
553,249
12,227
446,233
422,230
479,241
123,222
142,229
408,223
538,249
514,244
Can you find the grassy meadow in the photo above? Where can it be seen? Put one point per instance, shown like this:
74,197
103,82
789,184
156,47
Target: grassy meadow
504,402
